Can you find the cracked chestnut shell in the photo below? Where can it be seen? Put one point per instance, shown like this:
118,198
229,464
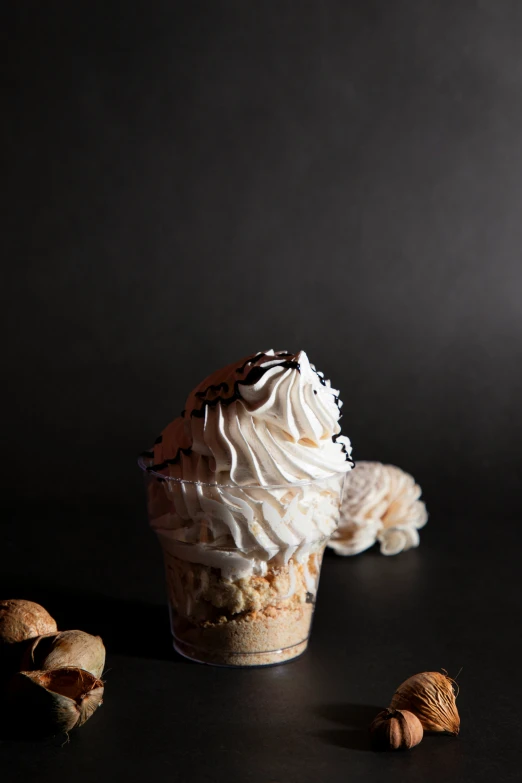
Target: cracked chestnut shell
395,730
43,703
66,648
21,620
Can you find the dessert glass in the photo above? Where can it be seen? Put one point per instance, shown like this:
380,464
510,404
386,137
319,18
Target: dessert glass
239,599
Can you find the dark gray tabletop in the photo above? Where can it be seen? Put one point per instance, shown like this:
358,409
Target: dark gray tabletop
452,603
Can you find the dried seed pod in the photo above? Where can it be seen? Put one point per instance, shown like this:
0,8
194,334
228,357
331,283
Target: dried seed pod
431,697
67,648
42,703
21,620
380,503
395,730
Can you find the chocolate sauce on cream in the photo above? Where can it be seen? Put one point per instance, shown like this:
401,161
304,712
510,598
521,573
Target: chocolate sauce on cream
253,376
225,393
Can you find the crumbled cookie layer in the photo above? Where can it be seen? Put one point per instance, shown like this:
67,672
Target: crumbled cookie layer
253,639
200,593
254,621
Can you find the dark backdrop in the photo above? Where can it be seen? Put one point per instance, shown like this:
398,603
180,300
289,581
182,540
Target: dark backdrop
191,182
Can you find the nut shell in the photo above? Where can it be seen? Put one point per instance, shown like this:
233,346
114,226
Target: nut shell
67,648
21,620
431,697
42,703
395,730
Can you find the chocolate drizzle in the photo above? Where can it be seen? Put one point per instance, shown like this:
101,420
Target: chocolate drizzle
167,462
343,449
260,355
213,388
253,376
252,360
337,401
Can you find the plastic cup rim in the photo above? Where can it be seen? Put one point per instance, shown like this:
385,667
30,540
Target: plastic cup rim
285,485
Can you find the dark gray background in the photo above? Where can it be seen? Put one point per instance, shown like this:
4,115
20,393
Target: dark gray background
192,182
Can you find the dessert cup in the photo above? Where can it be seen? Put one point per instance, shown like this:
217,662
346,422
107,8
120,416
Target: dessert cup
235,598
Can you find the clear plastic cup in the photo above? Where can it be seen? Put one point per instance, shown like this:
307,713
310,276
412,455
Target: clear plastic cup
242,564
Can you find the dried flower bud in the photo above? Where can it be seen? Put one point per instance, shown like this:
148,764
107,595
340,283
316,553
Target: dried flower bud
395,730
44,703
380,503
68,648
21,620
431,697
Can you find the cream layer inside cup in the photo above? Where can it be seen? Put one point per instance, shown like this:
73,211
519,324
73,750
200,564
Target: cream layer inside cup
250,434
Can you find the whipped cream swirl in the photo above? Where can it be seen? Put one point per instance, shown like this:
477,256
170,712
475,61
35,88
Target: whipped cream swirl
248,432
270,419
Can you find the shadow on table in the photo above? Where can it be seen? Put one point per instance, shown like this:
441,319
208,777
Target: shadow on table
127,628
355,718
